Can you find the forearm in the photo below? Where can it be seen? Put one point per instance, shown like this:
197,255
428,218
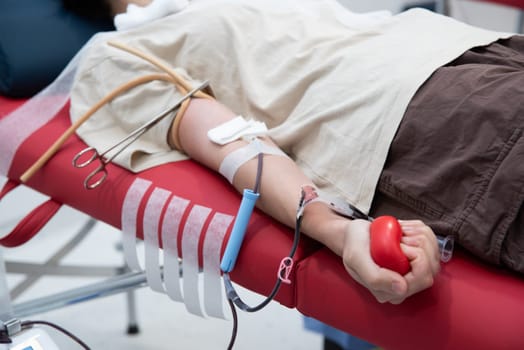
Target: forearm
281,179
280,190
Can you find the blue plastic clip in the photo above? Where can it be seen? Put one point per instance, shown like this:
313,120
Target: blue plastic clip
238,232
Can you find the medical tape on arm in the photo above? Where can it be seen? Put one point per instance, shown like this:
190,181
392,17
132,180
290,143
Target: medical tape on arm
240,128
234,160
337,204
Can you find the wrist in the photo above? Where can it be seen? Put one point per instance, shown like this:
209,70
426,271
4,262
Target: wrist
325,226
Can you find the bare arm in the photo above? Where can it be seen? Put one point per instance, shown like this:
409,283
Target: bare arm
280,191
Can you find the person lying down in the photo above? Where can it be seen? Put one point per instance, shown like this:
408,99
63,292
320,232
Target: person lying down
414,115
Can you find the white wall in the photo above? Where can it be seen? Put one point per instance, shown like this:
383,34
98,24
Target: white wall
370,5
479,13
486,15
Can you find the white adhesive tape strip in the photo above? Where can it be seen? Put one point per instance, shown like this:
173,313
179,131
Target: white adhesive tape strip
190,239
238,157
213,300
21,123
134,196
170,228
152,214
235,129
191,235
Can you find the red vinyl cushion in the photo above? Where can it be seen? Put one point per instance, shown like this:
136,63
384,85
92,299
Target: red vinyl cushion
470,306
7,105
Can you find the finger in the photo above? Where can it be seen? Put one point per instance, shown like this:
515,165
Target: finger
397,301
414,227
410,223
418,234
398,293
422,258
385,285
422,272
429,246
389,298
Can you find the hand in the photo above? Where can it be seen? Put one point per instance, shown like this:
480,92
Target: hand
420,246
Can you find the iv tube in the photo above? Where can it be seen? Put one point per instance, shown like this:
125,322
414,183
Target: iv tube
445,246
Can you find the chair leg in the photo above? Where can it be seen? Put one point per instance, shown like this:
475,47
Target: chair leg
132,322
53,262
132,319
53,266
331,345
439,6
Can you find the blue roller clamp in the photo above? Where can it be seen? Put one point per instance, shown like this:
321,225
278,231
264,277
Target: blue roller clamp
245,210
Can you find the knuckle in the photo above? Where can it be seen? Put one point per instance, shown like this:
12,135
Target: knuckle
381,299
397,301
374,283
419,222
428,281
418,241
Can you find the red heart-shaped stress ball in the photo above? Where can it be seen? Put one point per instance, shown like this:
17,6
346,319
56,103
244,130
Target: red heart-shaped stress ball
385,238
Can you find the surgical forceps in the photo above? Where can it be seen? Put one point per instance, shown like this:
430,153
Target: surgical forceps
98,176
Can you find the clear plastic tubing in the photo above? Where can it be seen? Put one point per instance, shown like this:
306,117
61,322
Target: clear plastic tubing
445,246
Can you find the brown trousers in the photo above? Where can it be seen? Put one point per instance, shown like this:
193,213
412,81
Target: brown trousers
457,160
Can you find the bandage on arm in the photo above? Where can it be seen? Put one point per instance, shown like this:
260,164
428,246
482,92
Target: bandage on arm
281,181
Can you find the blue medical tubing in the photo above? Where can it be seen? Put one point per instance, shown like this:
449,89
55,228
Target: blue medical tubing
247,205
238,232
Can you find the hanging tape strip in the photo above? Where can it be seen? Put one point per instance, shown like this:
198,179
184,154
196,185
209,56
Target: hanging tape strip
16,127
132,200
190,239
170,228
152,213
212,275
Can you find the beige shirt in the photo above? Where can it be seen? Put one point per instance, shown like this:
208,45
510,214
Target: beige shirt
331,85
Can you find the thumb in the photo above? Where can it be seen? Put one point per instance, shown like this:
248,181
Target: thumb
410,252
399,287
390,282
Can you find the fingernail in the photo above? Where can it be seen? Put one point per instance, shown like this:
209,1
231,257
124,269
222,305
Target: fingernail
409,240
396,286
